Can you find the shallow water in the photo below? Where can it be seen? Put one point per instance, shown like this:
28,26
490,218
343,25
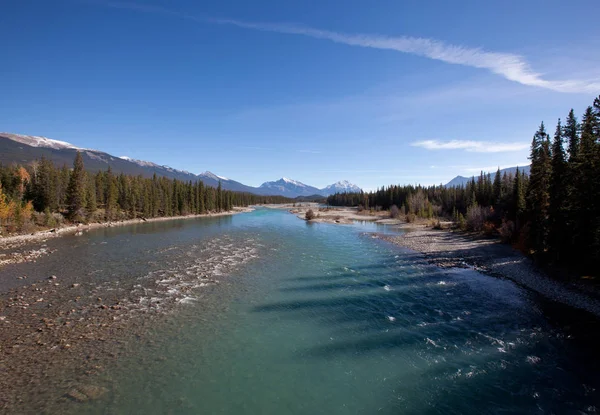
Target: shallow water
268,314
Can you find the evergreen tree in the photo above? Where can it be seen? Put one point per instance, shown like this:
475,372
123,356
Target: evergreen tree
519,199
91,204
111,195
571,134
586,192
497,188
557,210
538,198
76,190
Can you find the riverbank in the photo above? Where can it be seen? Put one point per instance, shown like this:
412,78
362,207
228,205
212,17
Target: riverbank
9,244
60,331
448,249
339,215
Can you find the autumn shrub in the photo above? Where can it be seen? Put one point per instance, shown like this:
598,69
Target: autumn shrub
411,217
507,231
476,217
310,215
394,212
489,228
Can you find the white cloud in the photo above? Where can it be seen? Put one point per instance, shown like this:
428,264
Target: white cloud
471,146
510,66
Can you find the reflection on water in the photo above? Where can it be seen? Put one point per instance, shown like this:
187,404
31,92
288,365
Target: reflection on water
318,318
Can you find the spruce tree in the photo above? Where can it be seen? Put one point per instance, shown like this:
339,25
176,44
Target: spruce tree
538,198
76,190
519,200
111,195
557,210
91,203
571,134
497,188
586,192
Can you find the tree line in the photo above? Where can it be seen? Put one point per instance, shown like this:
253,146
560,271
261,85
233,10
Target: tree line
42,194
552,214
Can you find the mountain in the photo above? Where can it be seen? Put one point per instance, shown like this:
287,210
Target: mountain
294,188
343,186
24,149
290,188
462,180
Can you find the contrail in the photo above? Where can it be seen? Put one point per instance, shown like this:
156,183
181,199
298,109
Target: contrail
507,65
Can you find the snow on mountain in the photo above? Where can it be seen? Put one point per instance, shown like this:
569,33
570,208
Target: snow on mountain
213,176
343,186
462,180
140,162
290,188
293,182
293,188
35,141
26,148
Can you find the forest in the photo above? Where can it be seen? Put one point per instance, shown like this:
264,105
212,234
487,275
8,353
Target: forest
42,195
553,214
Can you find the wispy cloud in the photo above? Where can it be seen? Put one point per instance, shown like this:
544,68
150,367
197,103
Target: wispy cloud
508,65
309,151
471,146
279,149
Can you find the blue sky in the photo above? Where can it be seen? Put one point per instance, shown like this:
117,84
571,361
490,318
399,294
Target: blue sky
373,92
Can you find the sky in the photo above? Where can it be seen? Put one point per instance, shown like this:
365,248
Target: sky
374,92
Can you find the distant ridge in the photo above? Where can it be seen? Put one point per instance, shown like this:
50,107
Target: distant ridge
462,180
24,149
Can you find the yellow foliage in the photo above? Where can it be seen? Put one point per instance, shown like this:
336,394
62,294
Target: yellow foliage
4,207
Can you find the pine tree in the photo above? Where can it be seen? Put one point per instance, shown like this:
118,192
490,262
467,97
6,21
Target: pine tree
538,197
91,204
519,199
586,192
557,210
111,195
497,188
76,190
571,134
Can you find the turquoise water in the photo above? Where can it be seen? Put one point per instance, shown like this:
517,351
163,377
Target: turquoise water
318,318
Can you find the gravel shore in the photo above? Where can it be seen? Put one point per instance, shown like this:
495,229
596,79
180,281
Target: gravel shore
448,249
14,249
58,335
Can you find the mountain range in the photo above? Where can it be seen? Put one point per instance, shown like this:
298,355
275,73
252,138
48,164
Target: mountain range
24,149
462,180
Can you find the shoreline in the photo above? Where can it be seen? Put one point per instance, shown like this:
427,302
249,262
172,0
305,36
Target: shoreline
59,334
12,241
338,215
447,249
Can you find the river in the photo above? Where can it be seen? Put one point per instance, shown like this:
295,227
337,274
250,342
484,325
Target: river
263,313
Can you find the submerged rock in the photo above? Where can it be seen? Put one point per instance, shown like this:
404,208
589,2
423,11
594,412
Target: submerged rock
84,393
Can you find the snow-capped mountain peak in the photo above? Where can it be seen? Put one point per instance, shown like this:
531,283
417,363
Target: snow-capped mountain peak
294,182
37,141
140,162
343,186
289,187
213,176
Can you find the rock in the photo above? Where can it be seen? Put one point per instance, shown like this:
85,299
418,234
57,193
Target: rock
52,277
75,285
76,395
93,392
